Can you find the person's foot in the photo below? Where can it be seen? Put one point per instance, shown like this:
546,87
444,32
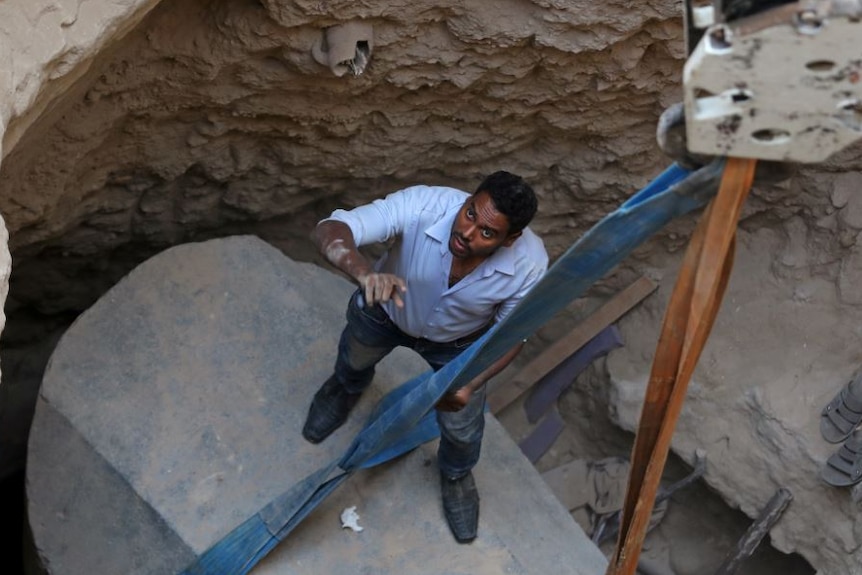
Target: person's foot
461,506
329,410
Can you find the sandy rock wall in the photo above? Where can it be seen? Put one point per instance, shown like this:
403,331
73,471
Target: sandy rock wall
132,126
46,45
225,98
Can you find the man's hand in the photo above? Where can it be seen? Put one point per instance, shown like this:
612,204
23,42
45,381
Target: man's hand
379,288
335,241
456,400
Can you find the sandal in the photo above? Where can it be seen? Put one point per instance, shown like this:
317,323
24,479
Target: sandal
844,467
844,413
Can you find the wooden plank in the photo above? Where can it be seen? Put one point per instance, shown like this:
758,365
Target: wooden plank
504,394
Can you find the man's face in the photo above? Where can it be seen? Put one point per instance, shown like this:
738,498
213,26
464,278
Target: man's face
479,229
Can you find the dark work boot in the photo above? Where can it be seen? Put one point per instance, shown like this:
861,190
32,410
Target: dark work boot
461,506
329,409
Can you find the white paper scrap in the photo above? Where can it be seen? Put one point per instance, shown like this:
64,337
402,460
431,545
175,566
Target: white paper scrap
350,519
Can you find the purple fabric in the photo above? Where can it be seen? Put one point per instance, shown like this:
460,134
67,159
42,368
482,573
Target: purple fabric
537,443
550,387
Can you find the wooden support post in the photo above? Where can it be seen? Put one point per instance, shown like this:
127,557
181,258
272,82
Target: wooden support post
688,320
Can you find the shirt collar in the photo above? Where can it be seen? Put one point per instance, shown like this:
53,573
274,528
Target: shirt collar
503,260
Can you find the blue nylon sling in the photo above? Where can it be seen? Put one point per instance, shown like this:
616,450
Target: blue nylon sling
405,419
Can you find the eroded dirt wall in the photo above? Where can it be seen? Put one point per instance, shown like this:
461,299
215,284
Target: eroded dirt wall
226,98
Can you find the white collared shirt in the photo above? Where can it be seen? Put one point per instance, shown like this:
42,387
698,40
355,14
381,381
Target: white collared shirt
420,219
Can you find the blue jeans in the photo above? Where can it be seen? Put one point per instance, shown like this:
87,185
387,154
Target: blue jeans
369,336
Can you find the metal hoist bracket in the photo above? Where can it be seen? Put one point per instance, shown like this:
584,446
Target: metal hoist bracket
781,84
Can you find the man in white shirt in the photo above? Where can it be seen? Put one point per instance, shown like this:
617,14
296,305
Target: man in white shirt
459,264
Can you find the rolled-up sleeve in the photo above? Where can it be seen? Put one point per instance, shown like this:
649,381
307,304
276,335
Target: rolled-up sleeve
381,219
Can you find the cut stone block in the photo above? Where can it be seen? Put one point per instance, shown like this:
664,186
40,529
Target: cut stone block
171,411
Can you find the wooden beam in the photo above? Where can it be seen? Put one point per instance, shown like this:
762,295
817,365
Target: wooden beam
504,394
689,317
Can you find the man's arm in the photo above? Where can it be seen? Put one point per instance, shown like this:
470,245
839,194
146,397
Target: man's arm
456,400
335,241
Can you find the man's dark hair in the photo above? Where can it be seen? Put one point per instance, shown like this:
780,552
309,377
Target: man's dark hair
512,197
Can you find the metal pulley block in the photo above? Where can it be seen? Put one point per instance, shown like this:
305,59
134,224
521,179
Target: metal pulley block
773,80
